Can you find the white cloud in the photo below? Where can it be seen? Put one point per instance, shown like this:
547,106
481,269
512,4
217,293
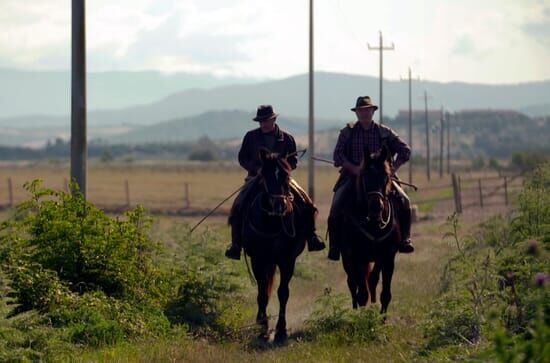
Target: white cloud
489,41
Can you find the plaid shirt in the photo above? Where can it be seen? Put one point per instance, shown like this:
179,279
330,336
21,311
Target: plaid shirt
353,140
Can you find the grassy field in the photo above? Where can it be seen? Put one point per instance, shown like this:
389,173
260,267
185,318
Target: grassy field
415,285
163,186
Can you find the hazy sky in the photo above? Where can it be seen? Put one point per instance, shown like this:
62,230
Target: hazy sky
485,41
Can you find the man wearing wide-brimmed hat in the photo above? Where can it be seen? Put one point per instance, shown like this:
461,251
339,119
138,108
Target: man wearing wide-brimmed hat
352,142
279,142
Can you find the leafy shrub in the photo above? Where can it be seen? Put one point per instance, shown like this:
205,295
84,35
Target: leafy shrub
208,294
534,205
452,321
496,288
64,234
88,279
91,275
333,323
528,161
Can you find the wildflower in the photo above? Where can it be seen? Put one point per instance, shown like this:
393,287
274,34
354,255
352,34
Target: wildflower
541,278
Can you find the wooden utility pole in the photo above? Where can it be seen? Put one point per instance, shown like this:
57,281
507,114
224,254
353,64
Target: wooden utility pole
380,48
441,141
78,95
410,128
448,128
427,136
311,136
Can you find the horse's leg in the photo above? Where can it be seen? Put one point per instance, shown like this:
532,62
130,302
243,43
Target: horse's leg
286,272
259,268
387,274
374,276
361,274
352,286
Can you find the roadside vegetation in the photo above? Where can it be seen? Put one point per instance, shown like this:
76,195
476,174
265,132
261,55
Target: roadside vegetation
494,302
77,284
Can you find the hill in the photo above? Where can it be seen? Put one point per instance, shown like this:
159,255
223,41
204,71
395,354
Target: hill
25,93
334,95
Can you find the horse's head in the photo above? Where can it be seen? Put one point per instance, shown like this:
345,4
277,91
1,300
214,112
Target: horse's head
275,177
374,184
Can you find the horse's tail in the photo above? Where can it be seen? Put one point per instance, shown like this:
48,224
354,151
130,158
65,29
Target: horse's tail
270,279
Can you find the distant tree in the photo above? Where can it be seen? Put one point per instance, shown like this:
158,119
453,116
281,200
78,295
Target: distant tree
527,161
478,162
106,156
204,150
202,155
494,164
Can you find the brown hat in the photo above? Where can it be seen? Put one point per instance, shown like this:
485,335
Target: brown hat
364,102
265,112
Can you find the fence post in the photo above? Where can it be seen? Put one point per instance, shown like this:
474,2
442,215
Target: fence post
505,190
456,194
127,187
480,193
460,192
66,185
10,193
186,198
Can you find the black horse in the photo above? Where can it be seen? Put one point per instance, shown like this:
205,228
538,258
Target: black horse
273,235
371,232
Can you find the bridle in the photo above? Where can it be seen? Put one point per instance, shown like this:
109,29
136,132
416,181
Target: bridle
384,223
285,199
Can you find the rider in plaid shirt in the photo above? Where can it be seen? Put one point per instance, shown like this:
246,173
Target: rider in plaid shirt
353,140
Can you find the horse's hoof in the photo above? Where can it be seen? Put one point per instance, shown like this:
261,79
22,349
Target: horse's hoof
280,338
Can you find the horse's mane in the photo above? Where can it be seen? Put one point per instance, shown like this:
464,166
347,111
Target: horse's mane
283,164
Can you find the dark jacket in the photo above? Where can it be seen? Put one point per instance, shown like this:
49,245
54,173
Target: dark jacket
249,156
354,140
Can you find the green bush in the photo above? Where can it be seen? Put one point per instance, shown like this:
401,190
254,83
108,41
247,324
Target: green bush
95,278
78,277
208,293
333,323
496,288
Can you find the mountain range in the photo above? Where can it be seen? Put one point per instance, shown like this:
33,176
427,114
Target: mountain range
170,106
47,93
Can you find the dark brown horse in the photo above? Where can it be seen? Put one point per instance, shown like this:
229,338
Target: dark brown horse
371,232
273,236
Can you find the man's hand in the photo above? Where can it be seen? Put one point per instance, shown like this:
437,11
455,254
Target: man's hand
352,168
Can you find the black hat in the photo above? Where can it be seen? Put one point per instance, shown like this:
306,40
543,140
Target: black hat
364,102
265,112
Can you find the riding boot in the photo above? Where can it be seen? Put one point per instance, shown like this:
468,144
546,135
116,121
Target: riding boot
234,250
405,221
314,242
334,239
